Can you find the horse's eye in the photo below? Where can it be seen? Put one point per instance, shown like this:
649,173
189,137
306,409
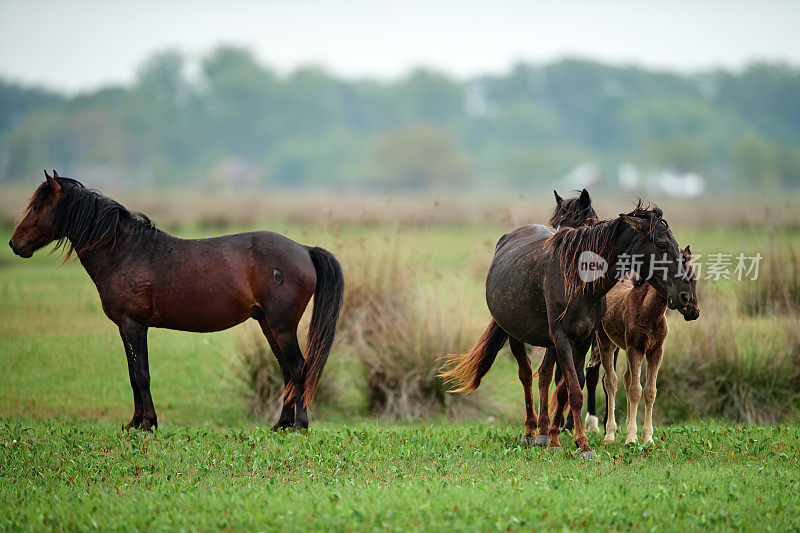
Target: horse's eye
665,223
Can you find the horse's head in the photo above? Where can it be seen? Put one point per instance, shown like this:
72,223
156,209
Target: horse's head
37,227
692,309
655,255
572,212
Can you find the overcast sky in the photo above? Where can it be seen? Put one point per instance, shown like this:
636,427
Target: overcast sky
82,44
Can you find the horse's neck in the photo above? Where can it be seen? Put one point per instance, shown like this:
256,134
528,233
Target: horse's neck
104,261
651,303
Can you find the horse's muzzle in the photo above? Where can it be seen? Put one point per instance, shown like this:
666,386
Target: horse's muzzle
690,312
22,251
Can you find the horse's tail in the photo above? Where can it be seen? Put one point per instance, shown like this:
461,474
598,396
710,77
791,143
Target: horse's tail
328,296
594,359
463,372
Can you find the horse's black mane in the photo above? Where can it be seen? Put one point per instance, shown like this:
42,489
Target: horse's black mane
85,219
597,236
571,212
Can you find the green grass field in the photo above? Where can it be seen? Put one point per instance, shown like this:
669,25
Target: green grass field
66,464
79,474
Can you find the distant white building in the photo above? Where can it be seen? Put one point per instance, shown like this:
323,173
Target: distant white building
686,185
667,182
585,175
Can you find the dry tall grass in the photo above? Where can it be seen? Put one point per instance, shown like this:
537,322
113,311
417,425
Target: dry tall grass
397,335
777,289
728,365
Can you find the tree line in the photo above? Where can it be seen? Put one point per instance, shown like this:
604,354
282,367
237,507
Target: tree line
237,123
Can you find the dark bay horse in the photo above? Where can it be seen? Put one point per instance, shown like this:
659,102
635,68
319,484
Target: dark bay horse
570,213
536,293
147,278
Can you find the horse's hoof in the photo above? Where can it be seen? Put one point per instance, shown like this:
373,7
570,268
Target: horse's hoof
608,440
555,448
592,423
526,441
541,440
589,454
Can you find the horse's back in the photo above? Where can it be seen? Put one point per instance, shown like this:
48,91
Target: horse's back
214,283
514,284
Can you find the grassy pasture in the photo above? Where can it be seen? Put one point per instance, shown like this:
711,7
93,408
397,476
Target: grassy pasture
64,393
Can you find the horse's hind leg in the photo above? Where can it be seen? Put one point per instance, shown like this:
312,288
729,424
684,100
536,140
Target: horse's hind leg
545,376
653,363
134,337
287,341
526,378
286,418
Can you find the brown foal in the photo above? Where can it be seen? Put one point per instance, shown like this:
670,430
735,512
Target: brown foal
635,321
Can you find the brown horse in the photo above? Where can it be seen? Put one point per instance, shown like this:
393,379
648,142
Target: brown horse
635,321
537,295
147,278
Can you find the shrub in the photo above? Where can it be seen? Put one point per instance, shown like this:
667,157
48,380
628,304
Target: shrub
727,366
398,337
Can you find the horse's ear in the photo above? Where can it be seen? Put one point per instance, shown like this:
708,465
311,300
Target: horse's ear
687,251
585,200
635,222
558,198
55,187
55,175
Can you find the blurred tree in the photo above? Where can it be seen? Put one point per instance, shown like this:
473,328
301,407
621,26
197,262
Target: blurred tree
418,157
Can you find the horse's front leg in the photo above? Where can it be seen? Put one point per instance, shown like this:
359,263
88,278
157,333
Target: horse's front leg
564,353
653,362
526,378
608,361
633,390
134,338
136,420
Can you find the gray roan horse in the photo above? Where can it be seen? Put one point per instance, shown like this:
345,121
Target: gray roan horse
536,295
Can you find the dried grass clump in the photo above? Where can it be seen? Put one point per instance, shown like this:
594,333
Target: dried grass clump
726,366
777,289
398,338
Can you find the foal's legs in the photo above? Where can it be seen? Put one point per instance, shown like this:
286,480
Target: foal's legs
653,362
286,418
526,378
633,389
609,383
134,337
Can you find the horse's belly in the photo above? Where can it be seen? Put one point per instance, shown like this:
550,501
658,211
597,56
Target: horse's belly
202,303
200,315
